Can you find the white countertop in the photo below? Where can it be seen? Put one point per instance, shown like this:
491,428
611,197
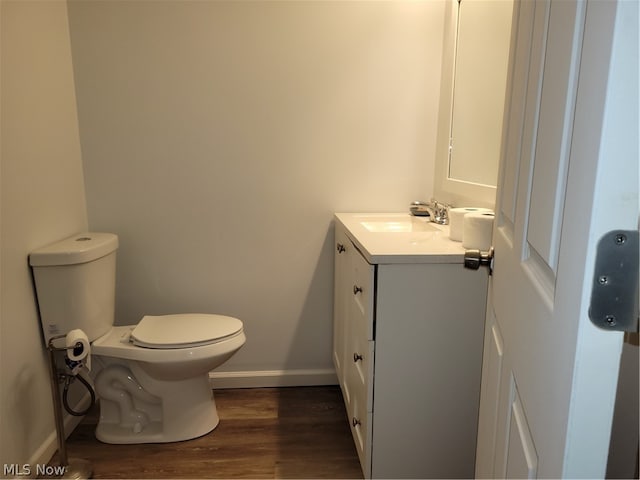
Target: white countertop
413,239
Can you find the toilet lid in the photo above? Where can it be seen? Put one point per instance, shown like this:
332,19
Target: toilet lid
183,330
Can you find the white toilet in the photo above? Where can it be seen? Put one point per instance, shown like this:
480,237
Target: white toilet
153,381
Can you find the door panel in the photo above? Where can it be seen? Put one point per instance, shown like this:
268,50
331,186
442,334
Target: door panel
514,111
544,362
522,459
563,25
526,261
488,415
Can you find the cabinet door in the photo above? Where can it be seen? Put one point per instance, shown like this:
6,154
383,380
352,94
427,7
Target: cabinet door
359,360
429,334
360,344
342,269
361,423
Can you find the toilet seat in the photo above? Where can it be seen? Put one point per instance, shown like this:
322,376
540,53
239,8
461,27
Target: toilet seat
117,343
183,330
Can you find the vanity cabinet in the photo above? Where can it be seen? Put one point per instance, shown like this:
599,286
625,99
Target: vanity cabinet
408,354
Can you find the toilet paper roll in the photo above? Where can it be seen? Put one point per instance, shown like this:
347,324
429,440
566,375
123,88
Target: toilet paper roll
456,220
477,230
78,345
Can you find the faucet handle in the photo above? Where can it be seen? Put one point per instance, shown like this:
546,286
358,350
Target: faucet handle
440,213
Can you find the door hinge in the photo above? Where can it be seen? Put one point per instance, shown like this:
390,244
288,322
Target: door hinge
614,291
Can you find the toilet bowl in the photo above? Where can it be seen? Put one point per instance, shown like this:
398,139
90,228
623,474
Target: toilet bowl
154,384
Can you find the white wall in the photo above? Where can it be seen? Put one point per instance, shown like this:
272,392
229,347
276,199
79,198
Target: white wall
219,137
42,200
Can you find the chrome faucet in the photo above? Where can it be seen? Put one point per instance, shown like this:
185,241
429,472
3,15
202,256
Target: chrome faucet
439,212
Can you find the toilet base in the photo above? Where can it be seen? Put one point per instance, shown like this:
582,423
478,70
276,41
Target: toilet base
135,408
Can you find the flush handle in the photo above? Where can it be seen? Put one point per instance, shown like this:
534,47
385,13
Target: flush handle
474,259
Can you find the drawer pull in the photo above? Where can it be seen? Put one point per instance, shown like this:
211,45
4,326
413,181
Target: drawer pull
355,422
357,289
356,357
340,248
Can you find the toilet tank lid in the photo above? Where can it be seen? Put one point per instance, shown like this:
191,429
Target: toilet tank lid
80,248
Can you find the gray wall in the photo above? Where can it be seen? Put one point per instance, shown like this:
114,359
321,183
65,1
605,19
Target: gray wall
219,137
42,200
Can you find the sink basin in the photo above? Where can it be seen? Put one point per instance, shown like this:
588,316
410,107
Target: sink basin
396,224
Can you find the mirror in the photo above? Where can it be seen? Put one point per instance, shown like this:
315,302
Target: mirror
479,83
475,64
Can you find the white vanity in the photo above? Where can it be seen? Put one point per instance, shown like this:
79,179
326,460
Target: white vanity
408,333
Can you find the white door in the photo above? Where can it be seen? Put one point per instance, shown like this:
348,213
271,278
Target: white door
569,173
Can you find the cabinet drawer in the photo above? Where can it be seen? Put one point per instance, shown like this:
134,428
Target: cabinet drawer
363,294
359,371
359,381
360,422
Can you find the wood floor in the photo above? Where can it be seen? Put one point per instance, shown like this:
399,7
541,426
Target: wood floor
299,432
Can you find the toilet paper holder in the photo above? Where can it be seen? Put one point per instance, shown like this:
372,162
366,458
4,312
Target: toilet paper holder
76,468
474,259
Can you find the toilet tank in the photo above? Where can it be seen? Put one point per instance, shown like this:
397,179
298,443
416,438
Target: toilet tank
75,283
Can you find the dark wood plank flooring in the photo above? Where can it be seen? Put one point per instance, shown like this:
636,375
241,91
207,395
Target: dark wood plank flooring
295,432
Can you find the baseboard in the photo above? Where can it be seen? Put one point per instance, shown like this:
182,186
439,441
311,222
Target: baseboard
48,448
273,378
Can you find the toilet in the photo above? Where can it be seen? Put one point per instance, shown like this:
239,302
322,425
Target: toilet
152,378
